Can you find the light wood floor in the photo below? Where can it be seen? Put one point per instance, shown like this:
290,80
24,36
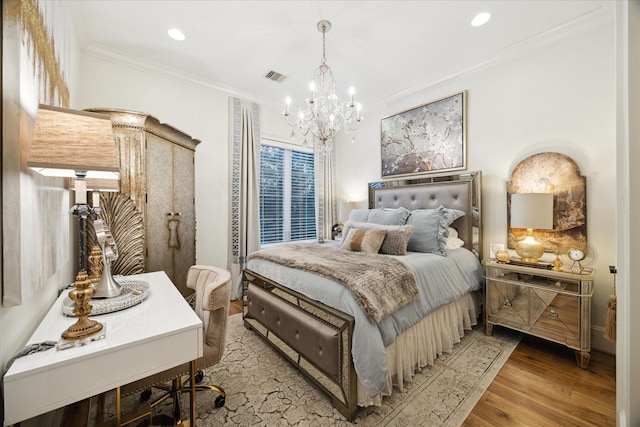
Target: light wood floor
541,385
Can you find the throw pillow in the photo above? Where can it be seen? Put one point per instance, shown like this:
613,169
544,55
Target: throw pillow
358,215
430,229
359,240
396,240
384,216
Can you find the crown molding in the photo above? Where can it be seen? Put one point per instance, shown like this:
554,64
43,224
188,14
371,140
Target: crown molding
161,70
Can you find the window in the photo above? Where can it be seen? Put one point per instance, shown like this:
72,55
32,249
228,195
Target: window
287,194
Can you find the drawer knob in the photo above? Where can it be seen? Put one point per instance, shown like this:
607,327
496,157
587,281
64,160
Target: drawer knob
553,314
507,303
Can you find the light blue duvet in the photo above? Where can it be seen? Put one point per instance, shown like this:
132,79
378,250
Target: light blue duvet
441,280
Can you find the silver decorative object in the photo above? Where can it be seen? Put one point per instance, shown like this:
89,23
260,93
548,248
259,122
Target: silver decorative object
107,287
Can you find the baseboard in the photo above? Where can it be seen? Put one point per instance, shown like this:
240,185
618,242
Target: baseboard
600,343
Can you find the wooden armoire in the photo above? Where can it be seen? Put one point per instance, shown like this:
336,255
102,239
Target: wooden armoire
157,174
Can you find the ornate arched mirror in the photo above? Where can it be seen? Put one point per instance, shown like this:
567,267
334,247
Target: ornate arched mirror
559,175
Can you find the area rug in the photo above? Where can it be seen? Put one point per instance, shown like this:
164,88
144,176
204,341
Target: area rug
263,389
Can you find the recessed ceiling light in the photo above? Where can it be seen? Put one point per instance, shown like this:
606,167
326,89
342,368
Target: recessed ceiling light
176,34
480,19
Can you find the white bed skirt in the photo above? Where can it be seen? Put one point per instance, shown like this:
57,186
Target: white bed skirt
421,344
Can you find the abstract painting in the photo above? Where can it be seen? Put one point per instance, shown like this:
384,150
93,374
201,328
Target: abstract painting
425,139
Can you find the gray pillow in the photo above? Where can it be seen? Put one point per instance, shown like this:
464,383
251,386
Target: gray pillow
396,240
385,216
430,230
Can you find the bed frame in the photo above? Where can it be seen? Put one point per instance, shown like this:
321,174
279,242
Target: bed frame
316,338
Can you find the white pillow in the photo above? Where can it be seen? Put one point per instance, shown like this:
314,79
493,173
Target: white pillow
453,243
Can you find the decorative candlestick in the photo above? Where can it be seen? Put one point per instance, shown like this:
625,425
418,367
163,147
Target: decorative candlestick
95,263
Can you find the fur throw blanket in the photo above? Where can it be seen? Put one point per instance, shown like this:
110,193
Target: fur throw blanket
379,283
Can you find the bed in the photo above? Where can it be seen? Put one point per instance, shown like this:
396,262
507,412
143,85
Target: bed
355,361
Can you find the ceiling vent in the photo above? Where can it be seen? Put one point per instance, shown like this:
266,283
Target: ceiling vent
275,76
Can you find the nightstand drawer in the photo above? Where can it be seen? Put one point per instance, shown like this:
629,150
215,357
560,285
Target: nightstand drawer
560,321
536,280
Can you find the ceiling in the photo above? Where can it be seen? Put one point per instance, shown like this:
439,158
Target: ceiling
385,49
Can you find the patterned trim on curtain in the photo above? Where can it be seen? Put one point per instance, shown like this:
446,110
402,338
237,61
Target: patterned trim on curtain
245,171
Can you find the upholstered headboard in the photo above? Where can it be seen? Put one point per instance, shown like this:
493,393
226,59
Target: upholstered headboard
461,192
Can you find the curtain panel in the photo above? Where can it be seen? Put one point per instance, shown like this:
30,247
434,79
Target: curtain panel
326,214
245,185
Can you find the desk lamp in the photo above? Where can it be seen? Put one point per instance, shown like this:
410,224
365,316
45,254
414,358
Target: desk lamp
531,210
80,145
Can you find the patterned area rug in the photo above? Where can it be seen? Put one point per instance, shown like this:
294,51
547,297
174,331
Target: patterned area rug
265,390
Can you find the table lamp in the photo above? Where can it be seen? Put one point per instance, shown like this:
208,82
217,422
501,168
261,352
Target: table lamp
531,211
80,145
344,209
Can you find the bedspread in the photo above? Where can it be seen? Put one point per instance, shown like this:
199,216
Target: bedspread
441,280
380,284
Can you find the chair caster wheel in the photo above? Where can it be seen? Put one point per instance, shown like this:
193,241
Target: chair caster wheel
220,401
145,395
199,376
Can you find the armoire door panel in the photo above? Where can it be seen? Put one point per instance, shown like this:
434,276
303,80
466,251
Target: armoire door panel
183,198
159,164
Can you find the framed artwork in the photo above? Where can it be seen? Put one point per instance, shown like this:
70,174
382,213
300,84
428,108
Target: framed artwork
430,138
558,174
35,218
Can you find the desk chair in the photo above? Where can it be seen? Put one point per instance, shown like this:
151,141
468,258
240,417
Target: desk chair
212,291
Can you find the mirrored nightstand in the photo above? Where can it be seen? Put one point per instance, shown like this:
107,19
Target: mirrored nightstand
554,305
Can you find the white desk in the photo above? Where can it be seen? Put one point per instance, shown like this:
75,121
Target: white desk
158,334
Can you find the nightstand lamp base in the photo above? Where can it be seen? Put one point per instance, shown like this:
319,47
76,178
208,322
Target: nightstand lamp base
529,250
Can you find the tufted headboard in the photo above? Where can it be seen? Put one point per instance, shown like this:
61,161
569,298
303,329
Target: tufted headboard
461,192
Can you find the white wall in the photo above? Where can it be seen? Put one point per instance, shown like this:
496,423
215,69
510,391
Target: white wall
557,97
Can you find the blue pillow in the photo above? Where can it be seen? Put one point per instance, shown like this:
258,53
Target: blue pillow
429,231
450,214
359,215
385,216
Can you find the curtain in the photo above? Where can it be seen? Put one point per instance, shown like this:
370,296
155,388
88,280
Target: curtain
326,214
245,192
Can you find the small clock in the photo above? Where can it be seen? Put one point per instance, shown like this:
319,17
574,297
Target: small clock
575,254
577,259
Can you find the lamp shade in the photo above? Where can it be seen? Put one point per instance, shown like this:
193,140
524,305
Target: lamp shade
68,141
344,209
532,210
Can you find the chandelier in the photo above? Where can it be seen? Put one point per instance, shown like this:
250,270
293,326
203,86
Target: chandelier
324,113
